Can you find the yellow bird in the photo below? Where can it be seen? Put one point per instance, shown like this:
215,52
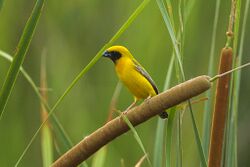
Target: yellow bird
133,75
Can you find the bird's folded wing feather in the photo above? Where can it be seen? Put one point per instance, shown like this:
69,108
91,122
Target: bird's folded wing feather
144,73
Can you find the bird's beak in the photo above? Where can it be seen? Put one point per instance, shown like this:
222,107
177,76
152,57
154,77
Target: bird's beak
106,54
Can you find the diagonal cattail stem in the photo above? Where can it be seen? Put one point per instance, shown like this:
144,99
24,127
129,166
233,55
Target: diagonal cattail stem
137,115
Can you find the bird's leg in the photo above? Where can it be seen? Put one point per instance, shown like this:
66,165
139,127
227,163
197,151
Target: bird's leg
131,106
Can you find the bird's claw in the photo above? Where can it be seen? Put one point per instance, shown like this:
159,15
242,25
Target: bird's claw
124,113
149,97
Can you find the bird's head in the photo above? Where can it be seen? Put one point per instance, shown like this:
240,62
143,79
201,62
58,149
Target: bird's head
117,52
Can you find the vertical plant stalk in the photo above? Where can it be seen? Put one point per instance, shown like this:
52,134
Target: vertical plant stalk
231,142
160,130
179,140
160,136
46,135
230,135
20,54
169,136
231,24
178,56
207,118
220,110
236,94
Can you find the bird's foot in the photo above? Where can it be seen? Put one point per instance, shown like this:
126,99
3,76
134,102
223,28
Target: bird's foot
125,112
123,115
149,97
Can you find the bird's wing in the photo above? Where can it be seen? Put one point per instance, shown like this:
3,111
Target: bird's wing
143,72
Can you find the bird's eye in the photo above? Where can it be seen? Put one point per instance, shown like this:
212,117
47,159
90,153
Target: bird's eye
115,55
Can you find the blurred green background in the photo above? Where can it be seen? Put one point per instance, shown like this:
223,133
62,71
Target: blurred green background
71,33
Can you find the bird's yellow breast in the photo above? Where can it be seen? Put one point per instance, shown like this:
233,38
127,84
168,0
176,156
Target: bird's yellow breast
137,84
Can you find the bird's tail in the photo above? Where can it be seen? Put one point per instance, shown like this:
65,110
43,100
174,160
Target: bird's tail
163,115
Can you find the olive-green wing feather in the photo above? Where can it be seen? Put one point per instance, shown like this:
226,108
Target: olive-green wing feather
143,72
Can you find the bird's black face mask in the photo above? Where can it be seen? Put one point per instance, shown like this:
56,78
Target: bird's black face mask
113,55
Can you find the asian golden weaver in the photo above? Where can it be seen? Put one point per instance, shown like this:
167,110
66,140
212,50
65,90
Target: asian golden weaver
133,75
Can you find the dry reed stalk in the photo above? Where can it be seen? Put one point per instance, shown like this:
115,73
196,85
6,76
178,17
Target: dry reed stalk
43,90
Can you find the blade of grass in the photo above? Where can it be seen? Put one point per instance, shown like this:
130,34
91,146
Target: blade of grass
236,24
137,137
169,135
238,75
181,39
88,67
235,102
207,118
231,132
46,136
231,144
159,143
181,26
169,74
183,12
1,4
171,33
112,106
20,54
57,128
174,41
99,158
179,140
160,132
170,12
47,146
139,163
